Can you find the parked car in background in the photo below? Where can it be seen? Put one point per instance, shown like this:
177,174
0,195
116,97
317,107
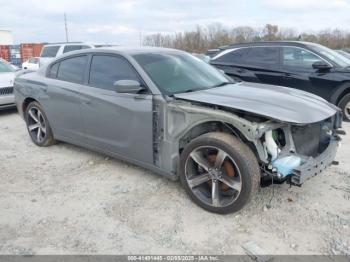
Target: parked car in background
176,115
51,51
203,57
306,66
342,52
212,52
7,75
31,64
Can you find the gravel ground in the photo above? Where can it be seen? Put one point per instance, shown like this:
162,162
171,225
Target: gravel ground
68,200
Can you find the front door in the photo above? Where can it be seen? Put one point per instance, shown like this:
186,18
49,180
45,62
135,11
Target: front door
298,72
120,123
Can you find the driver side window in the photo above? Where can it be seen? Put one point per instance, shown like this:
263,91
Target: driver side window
298,58
106,70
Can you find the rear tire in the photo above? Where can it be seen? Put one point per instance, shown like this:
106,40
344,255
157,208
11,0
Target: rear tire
219,172
38,125
344,105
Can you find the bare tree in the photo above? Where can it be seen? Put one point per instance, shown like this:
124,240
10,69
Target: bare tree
215,35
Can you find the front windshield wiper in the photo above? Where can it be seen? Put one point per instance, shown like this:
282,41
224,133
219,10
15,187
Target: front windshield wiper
190,90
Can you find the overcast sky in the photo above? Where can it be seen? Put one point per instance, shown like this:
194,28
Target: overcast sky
121,21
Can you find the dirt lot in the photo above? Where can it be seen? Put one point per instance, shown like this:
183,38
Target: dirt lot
68,200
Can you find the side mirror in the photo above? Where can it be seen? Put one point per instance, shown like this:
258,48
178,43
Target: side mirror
321,65
128,86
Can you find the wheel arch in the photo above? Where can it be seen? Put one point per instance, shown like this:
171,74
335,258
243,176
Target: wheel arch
26,102
213,126
341,91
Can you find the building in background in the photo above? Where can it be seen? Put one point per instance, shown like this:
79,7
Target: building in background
6,37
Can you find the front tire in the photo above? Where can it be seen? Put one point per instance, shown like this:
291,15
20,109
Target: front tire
344,105
219,172
38,125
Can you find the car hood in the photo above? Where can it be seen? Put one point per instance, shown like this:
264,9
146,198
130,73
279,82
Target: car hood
6,79
275,102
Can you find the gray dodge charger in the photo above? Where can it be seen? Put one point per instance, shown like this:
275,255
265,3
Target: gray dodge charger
170,112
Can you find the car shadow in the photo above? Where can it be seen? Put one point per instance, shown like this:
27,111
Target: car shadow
8,111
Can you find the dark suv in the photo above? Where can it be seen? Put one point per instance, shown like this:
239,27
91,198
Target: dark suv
302,65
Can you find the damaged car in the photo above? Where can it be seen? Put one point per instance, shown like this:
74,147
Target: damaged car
174,114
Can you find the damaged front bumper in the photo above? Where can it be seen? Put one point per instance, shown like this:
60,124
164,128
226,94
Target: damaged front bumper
314,166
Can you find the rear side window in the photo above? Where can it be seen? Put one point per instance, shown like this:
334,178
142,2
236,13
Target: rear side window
236,56
50,51
72,69
262,56
105,70
69,48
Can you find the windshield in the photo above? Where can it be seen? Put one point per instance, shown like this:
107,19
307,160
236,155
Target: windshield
5,67
179,72
331,55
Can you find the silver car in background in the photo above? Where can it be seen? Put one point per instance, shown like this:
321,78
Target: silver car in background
178,116
7,76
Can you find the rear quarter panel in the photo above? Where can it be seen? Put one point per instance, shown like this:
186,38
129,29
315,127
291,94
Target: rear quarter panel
29,86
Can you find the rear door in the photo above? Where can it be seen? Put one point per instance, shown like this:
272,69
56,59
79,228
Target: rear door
264,64
116,122
62,103
232,62
252,64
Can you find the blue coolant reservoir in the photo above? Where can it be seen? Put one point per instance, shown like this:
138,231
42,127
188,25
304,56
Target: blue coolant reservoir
286,164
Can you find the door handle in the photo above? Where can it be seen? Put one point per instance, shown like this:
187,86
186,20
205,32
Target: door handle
140,96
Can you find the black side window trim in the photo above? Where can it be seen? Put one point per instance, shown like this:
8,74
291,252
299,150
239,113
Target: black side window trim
47,74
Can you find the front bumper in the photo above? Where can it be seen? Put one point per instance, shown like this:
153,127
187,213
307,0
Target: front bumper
315,166
7,101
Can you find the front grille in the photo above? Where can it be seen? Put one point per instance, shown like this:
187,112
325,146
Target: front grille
6,91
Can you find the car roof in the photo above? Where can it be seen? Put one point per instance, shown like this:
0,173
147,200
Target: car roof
270,43
123,50
65,43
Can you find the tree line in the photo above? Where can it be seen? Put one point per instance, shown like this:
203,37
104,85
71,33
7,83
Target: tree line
214,35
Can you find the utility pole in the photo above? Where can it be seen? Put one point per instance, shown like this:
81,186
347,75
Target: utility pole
140,38
66,28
